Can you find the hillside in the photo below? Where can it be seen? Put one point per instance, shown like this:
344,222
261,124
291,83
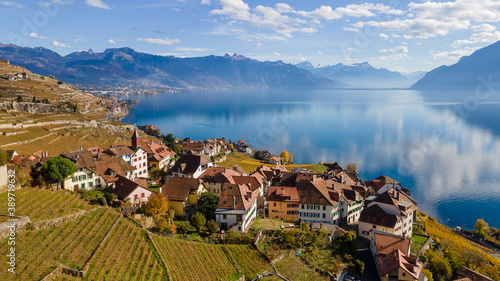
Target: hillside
466,74
360,75
38,109
126,67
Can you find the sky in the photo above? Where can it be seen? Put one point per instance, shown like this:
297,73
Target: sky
399,35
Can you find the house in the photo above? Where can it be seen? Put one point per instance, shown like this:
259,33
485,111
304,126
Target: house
382,184
133,155
382,243
191,165
283,203
12,154
398,203
274,160
467,274
214,177
398,266
84,177
196,147
182,194
375,218
237,207
352,201
334,230
318,203
130,191
109,169
263,154
159,155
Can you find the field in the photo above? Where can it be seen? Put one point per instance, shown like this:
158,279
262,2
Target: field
126,255
250,260
188,260
250,164
39,252
417,242
44,204
294,268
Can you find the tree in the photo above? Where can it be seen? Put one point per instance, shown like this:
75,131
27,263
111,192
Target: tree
356,267
438,265
162,223
58,169
285,155
352,167
198,220
183,226
212,226
19,98
207,204
170,143
158,174
481,228
156,206
34,99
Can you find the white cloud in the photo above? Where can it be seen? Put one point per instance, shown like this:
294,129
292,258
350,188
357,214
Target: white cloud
320,53
351,29
395,35
187,49
277,54
36,36
159,41
352,10
384,36
59,44
451,55
484,28
397,49
112,41
97,4
483,37
205,2
12,3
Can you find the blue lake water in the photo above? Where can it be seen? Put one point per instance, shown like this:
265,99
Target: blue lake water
444,147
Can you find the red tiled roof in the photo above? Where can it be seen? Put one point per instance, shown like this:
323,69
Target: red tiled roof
397,259
375,215
386,243
283,193
316,193
195,146
252,182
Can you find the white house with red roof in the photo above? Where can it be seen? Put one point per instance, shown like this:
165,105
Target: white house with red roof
237,207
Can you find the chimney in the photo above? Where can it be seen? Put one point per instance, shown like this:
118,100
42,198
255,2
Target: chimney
234,202
397,194
46,153
159,190
98,154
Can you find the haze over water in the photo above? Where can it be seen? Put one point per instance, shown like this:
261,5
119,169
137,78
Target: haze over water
448,157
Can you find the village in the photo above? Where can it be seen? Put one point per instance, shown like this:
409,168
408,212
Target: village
380,211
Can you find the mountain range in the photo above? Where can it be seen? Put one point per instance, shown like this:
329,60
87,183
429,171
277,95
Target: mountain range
470,72
361,75
126,67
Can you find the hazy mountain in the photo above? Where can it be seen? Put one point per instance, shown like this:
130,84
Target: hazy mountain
124,66
360,75
415,75
466,74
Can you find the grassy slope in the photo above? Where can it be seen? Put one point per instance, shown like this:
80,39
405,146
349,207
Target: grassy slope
250,164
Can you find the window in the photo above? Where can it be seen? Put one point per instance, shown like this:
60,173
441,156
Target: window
324,216
143,195
84,177
90,176
324,208
274,204
91,184
224,216
136,197
302,207
374,226
83,185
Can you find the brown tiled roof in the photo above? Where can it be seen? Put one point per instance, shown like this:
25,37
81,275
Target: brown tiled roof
381,181
390,197
212,171
397,259
305,176
178,188
95,150
124,187
375,215
195,146
108,165
253,182
120,150
189,163
288,179
236,197
316,193
82,159
283,193
386,243
239,169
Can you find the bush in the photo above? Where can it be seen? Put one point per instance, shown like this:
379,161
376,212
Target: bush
102,201
183,227
212,227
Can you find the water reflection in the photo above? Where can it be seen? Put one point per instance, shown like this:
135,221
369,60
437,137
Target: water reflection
450,162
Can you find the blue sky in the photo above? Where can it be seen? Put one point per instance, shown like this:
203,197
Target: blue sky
396,34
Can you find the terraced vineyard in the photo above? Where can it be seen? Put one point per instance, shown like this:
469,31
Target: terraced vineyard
249,260
72,244
189,260
127,254
44,204
295,268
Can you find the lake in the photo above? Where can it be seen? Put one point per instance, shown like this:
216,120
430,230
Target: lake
445,147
